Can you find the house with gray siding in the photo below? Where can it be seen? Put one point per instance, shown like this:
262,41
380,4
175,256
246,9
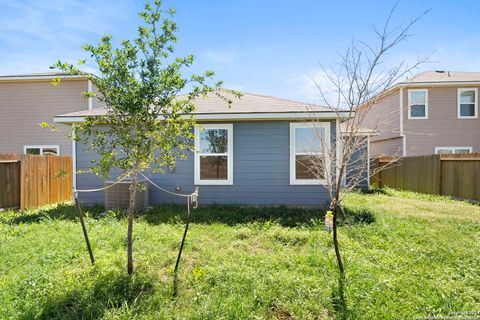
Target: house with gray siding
433,112
261,161
30,99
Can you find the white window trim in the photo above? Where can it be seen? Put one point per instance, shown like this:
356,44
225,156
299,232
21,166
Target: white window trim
229,154
426,104
452,149
41,147
459,91
296,125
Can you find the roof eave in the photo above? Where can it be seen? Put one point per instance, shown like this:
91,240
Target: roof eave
41,78
437,83
238,116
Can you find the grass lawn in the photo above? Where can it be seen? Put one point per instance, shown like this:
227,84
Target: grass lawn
406,256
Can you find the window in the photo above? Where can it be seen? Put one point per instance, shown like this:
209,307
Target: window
418,104
467,103
455,150
308,163
42,150
214,154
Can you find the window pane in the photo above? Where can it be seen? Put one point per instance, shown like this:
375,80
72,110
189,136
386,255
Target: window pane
462,150
417,111
309,167
444,151
213,168
32,151
467,110
309,139
49,151
214,141
417,97
467,96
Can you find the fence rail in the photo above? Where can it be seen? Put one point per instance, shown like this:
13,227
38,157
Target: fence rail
455,175
32,181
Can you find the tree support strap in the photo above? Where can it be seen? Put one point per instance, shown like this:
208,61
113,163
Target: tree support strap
192,203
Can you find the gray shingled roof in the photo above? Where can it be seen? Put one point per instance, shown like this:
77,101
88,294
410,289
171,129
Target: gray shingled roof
247,103
443,76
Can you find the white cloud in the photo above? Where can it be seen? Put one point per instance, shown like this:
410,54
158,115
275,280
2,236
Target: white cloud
34,34
309,84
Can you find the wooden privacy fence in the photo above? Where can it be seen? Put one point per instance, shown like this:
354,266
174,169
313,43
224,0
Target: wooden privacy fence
32,181
455,175
9,181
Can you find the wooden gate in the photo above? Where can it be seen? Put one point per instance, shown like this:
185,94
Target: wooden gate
9,181
35,180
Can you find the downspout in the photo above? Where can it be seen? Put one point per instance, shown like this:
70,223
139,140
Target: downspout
402,134
338,145
368,162
74,159
90,99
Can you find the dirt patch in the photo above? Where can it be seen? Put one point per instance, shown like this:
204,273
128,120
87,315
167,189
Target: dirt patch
276,312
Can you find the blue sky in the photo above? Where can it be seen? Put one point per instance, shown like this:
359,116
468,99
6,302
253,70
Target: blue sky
271,47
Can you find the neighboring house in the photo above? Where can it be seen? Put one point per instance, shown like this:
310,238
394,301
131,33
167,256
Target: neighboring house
28,100
262,163
433,112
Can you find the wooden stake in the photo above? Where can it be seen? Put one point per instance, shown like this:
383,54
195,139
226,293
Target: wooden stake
85,234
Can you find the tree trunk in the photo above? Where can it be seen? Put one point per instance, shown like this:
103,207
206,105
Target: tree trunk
131,211
335,238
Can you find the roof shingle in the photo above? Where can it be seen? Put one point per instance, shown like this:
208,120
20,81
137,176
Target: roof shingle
444,76
247,103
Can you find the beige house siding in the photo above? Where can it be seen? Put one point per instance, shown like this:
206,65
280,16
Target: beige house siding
442,128
25,104
391,147
384,117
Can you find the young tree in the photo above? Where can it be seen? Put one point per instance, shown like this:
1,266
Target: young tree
147,124
359,78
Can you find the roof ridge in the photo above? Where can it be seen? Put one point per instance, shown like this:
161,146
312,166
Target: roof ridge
273,97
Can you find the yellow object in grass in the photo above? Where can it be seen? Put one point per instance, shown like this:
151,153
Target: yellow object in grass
329,221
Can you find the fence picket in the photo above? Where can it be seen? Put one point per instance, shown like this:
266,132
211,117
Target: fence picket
455,175
33,180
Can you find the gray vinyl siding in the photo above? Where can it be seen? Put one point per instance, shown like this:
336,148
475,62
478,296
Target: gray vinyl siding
261,172
357,168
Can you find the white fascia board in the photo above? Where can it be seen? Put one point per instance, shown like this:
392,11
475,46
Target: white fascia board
242,116
272,116
439,84
39,78
68,120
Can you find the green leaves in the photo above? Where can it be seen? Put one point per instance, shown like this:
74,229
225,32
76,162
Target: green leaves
138,83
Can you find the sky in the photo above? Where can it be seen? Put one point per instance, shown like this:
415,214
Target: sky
273,47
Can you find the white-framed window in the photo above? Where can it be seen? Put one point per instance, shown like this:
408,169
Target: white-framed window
454,150
417,104
42,150
213,154
308,145
467,106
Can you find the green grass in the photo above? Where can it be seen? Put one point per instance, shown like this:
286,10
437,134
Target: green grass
406,255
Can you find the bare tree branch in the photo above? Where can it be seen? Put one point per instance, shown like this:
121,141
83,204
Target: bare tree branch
359,79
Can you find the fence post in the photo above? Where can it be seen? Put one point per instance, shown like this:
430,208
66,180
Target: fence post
440,175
